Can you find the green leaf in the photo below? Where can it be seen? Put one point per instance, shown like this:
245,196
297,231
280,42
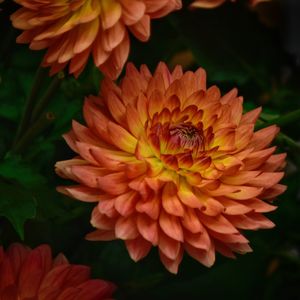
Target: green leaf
17,205
13,168
11,96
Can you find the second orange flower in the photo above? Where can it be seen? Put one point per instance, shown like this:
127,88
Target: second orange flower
216,3
74,30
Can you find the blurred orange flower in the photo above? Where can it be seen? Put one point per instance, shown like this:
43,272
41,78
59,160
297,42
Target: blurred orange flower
72,30
216,3
33,274
172,163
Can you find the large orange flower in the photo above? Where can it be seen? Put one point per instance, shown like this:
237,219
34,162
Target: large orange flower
72,30
33,274
216,3
172,164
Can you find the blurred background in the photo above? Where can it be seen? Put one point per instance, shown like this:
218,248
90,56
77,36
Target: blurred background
256,50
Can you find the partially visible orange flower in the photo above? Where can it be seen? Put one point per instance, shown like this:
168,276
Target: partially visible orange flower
255,2
172,163
33,274
216,3
207,3
74,30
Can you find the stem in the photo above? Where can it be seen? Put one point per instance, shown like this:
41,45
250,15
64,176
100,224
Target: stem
289,141
282,120
43,122
40,75
288,118
44,101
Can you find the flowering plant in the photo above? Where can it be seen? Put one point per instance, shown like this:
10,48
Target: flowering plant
172,163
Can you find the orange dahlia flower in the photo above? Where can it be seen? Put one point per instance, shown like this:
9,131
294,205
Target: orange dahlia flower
216,3
72,30
33,274
172,163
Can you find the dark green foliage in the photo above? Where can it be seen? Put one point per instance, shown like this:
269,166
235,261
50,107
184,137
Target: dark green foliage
17,205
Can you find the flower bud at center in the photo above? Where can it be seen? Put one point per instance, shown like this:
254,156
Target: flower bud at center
187,136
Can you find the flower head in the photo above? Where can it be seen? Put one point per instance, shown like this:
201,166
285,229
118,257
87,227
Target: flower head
172,163
74,30
33,274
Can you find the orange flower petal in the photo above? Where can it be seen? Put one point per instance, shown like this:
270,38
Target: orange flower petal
141,29
240,248
206,3
191,221
187,197
251,116
171,264
126,229
222,225
262,138
250,221
85,36
55,280
38,276
111,12
205,257
171,203
240,178
138,248
106,207
125,203
37,264
112,37
169,247
148,228
171,226
198,240
224,250
245,192
212,207
83,193
17,254
102,221
259,206
116,108
234,207
274,163
229,238
7,278
95,289
150,206
121,138
133,11
266,179
134,122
